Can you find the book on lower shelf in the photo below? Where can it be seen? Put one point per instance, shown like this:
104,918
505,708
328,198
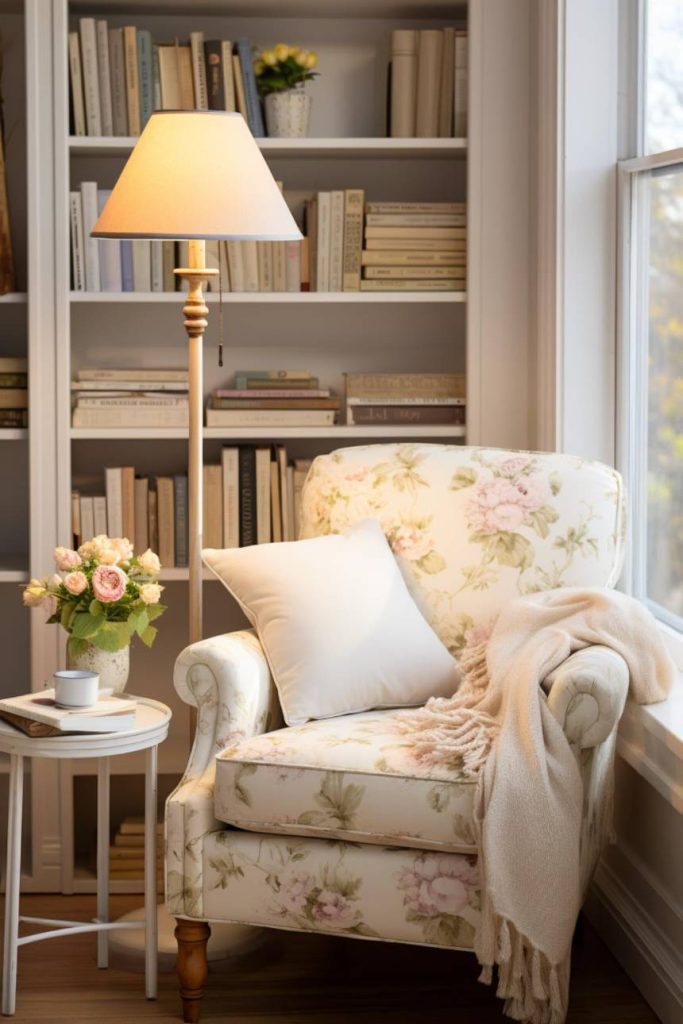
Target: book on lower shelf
127,851
133,398
13,392
284,400
395,399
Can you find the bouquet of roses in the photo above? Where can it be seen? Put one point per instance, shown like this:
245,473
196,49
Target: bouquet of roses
103,595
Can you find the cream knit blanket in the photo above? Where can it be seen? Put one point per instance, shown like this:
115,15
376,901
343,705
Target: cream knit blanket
529,791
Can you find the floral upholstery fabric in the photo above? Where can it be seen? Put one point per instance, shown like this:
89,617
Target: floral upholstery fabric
472,528
353,778
340,888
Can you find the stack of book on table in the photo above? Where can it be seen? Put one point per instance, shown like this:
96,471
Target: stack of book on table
127,852
428,91
397,399
38,715
118,76
13,392
272,398
130,398
414,247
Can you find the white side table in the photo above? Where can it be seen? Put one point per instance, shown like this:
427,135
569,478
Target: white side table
151,728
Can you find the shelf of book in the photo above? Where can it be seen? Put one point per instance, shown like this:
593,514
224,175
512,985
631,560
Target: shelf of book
307,298
268,433
361,148
13,434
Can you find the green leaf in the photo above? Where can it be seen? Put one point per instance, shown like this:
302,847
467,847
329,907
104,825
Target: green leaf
66,615
139,622
148,636
512,549
77,647
155,610
96,609
432,563
465,477
85,625
112,636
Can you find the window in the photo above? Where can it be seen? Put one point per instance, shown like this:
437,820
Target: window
651,378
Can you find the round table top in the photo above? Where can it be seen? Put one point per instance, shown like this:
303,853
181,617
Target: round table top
152,719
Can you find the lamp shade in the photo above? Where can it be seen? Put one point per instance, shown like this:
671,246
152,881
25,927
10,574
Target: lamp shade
196,174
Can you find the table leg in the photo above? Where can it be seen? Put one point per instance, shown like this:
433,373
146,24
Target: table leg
151,873
12,883
103,814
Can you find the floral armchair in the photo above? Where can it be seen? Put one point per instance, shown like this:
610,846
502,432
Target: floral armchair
335,826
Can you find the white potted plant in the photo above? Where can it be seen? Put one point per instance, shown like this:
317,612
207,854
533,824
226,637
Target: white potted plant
103,596
281,76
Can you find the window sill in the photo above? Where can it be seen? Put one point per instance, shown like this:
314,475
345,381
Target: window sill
651,741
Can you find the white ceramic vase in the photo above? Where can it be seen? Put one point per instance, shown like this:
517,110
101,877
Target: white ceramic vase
288,114
113,667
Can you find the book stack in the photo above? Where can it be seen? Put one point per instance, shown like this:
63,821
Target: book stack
13,393
272,398
130,398
428,83
118,76
38,715
334,234
414,247
251,497
127,852
395,399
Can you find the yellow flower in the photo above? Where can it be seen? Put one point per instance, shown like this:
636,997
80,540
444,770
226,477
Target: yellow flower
301,58
311,60
294,50
34,594
281,51
258,67
268,57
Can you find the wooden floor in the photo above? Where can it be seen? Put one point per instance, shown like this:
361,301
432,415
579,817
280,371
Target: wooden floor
299,978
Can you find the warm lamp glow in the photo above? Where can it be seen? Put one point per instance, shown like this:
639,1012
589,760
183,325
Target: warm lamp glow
196,174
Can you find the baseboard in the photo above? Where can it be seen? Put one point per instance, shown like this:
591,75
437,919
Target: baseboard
652,962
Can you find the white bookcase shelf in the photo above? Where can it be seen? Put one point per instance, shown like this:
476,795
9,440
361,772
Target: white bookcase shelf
13,434
13,298
349,148
340,433
13,568
264,298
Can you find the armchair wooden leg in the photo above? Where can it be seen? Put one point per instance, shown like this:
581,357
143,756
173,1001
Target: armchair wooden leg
192,965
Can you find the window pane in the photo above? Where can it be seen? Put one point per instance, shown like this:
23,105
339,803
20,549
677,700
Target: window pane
664,75
665,393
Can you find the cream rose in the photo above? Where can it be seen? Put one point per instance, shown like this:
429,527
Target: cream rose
149,562
150,593
34,594
123,547
66,559
76,582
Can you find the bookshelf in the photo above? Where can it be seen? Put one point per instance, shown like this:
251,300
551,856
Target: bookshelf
484,330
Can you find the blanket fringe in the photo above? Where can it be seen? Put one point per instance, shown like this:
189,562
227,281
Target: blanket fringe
452,730
534,989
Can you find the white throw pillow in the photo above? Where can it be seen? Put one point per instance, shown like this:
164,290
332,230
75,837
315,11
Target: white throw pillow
336,621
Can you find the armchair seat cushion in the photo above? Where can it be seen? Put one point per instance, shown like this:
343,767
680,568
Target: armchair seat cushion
354,778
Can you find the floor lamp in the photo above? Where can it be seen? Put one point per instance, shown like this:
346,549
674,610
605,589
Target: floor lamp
196,175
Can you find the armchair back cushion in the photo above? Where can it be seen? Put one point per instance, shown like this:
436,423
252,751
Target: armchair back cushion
472,528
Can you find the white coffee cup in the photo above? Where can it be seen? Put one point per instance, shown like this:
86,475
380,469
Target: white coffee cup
75,688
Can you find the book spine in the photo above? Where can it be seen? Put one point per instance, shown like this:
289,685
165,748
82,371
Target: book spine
141,505
270,417
13,380
403,83
408,231
228,76
213,507
76,78
127,278
447,80
131,417
142,265
385,387
213,56
231,508
76,216
201,99
323,247
166,521
128,502
181,532
396,258
109,253
91,86
91,247
240,98
353,238
185,77
87,518
157,265
113,487
269,392
156,79
405,207
99,505
145,78
235,266
417,220
336,240
274,403
247,487
104,79
168,265
263,495
118,82
264,253
397,415
305,264
275,504
169,79
153,519
251,267
173,376
279,267
311,255
251,95
416,285
460,99
292,266
455,274
430,49
411,244
130,50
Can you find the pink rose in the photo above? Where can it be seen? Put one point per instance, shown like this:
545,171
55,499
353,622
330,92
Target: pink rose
109,583
513,465
76,582
332,908
437,884
495,506
411,543
66,559
295,891
533,491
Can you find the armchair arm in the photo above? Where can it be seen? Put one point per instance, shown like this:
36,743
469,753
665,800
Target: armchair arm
227,679
587,693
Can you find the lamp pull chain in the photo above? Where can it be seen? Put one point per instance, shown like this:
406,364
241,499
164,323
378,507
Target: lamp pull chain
220,304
